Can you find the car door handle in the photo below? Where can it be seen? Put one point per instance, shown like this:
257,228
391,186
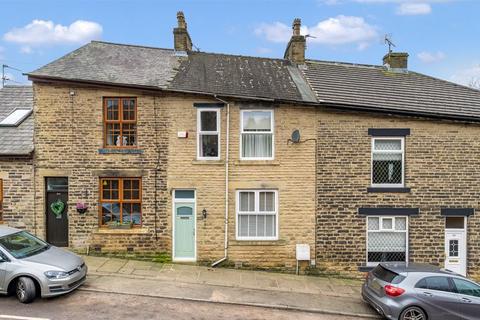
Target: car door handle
466,300
428,294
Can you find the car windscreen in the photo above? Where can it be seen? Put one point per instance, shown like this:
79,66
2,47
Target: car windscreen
386,275
22,244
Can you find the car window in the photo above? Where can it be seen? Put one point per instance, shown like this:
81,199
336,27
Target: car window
22,244
386,275
466,287
434,283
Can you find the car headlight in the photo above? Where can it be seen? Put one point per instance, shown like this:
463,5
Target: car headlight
56,274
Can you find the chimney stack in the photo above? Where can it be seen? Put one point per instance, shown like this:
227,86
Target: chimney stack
295,51
396,60
182,40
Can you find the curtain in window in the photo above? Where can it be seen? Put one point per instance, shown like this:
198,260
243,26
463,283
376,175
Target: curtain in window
255,145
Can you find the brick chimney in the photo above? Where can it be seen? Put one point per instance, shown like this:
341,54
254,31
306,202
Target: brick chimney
396,60
182,40
295,51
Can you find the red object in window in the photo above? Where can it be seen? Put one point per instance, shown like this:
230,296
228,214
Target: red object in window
393,291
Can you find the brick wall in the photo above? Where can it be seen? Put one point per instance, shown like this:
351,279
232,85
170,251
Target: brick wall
18,196
442,161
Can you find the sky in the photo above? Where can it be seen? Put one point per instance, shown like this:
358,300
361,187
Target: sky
441,36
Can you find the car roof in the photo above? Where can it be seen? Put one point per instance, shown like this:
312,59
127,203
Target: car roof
415,267
4,231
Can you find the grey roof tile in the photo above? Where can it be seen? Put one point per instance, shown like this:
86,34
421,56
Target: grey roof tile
377,88
16,140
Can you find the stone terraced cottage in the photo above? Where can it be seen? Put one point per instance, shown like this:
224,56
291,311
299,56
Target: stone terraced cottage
212,157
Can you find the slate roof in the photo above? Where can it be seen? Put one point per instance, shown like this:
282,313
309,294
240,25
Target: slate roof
113,63
376,88
241,76
16,140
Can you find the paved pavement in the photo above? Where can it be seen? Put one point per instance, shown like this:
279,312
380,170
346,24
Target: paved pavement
80,305
226,286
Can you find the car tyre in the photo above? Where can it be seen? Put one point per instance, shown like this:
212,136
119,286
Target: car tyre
413,313
25,290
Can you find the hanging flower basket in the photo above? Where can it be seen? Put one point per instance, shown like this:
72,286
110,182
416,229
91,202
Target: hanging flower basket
81,207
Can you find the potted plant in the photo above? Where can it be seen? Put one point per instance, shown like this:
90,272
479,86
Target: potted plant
119,225
81,207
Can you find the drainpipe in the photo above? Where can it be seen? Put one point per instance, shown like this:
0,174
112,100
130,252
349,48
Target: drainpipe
227,143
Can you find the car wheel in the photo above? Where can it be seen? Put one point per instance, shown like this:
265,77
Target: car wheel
25,290
413,313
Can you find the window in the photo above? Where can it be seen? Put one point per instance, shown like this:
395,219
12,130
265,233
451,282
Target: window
120,200
466,287
434,283
256,134
208,133
257,215
1,200
387,239
16,117
387,162
120,116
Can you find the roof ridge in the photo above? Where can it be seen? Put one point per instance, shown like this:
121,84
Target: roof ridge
17,86
131,45
351,64
237,55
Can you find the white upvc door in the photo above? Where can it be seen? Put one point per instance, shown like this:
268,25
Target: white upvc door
456,250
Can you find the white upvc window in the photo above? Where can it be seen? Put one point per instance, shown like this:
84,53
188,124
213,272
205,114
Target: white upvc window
208,134
257,135
387,239
388,162
257,215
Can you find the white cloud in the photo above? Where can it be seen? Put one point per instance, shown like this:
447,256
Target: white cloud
2,50
42,32
411,9
430,57
339,30
263,50
467,75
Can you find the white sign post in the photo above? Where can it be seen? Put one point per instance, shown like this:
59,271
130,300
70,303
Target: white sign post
302,254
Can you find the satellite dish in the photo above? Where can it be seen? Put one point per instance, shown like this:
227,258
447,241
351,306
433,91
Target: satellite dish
296,136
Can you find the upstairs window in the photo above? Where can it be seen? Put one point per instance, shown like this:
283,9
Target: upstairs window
208,133
256,135
388,162
120,116
121,200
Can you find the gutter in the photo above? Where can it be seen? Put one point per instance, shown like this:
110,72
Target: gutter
227,158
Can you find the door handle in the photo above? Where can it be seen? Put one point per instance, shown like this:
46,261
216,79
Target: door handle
428,294
466,300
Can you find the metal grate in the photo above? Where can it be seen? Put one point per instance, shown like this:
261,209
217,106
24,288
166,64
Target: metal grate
387,158
387,239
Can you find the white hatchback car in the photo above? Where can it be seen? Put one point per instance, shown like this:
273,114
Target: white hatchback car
30,267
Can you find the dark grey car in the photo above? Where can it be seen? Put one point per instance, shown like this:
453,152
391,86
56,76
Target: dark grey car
421,292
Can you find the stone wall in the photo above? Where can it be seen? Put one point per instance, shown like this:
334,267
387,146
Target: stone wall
442,161
18,196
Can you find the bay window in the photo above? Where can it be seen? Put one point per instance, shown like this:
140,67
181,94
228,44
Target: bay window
257,215
257,138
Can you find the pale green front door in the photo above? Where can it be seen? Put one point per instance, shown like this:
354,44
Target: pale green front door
184,242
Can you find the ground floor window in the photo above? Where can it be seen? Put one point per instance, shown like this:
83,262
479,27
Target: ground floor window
257,215
1,200
387,239
120,200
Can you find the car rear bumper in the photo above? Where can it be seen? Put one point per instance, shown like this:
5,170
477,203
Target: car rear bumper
382,305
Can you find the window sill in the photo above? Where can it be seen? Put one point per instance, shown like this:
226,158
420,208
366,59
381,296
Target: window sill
258,243
122,231
208,162
257,163
388,189
120,151
365,268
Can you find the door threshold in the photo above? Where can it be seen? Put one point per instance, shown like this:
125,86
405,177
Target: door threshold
184,260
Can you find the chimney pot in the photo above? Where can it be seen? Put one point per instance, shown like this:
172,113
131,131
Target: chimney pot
181,38
295,51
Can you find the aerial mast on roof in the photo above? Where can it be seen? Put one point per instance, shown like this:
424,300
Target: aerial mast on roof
4,76
389,42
